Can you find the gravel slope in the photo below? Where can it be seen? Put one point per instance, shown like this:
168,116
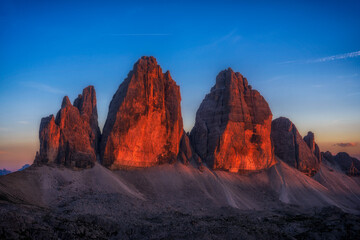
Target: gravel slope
177,201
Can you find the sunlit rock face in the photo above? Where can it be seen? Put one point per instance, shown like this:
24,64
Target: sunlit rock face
348,164
233,125
291,148
310,141
72,138
144,124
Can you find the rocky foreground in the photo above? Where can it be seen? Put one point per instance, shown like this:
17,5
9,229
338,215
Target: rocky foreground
175,201
223,223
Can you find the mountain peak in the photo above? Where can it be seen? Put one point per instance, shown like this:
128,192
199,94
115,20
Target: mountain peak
65,102
290,147
144,124
232,110
72,138
146,64
230,79
347,164
86,102
310,141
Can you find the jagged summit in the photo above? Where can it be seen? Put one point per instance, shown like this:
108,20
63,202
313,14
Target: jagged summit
291,148
65,102
310,141
144,128
342,160
232,127
144,124
72,138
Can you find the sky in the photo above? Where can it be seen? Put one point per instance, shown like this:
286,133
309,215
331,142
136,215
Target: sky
303,57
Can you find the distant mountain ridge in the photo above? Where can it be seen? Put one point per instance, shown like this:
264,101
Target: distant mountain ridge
342,160
5,171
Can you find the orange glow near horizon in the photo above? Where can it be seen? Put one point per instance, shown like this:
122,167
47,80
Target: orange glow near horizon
13,156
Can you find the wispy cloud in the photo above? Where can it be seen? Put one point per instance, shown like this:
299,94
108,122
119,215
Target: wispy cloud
336,57
42,87
231,36
326,59
288,62
348,144
23,122
139,34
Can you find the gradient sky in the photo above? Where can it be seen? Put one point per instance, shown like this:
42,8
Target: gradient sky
304,58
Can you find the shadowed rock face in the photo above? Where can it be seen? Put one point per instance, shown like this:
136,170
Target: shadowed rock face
310,141
233,125
72,138
144,124
185,149
348,164
187,154
291,148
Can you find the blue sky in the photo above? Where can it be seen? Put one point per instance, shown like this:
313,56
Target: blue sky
303,58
